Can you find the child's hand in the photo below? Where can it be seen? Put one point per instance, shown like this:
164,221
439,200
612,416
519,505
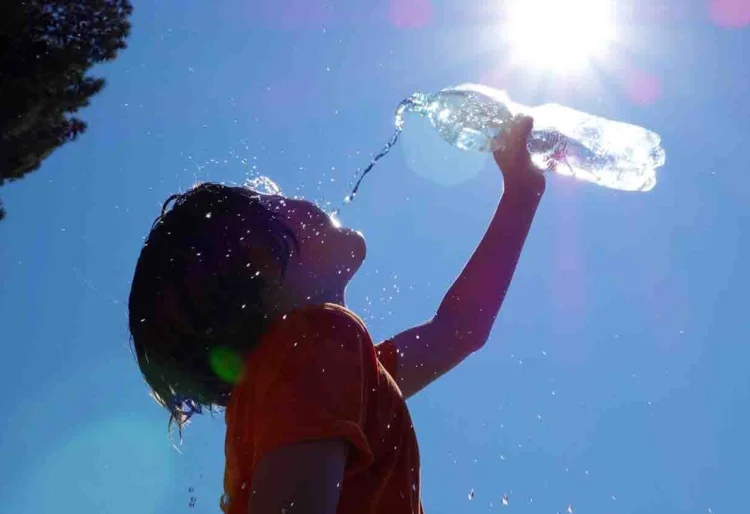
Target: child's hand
514,159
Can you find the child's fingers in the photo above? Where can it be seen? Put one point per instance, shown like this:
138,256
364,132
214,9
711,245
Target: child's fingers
517,132
513,138
522,127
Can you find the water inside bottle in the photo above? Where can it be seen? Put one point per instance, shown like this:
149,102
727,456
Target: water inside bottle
473,117
605,152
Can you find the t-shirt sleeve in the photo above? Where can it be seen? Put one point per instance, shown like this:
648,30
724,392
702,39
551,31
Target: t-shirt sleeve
317,390
388,356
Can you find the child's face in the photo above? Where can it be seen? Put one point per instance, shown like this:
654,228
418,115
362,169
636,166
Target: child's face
329,255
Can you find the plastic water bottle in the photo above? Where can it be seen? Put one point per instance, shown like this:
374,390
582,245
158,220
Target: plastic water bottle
609,153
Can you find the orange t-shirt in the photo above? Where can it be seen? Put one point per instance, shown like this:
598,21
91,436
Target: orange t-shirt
317,375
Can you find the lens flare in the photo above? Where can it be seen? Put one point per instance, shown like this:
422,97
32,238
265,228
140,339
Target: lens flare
226,364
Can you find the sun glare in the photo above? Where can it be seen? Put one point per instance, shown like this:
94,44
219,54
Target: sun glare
560,35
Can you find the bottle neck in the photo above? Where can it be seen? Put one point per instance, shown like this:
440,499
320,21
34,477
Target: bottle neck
416,103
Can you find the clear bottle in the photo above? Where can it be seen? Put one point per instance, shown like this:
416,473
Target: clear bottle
609,153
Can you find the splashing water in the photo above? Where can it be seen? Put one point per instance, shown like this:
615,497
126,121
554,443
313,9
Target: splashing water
263,185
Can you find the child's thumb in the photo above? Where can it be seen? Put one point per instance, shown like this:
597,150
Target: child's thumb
523,126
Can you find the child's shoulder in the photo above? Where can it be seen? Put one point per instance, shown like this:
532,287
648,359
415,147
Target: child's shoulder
324,320
320,333
313,331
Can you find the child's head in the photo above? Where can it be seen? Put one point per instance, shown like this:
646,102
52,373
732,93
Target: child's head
219,264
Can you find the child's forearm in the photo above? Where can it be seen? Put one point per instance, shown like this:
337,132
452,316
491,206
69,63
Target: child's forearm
465,317
473,301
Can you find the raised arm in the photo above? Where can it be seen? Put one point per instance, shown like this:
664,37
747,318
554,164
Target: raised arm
465,317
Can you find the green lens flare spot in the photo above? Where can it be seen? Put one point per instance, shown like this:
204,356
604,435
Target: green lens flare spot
226,364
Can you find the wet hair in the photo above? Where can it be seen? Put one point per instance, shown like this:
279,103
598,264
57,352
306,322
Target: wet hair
196,302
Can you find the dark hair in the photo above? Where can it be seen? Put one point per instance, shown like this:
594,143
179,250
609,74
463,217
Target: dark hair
195,304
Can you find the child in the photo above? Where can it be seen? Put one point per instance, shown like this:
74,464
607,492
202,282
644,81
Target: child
238,301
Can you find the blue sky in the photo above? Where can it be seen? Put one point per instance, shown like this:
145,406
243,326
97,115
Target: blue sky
616,379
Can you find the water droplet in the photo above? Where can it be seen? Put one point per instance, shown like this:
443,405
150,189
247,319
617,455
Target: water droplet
505,500
570,509
208,215
471,494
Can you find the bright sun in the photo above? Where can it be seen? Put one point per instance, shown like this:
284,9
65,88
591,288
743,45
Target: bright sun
560,35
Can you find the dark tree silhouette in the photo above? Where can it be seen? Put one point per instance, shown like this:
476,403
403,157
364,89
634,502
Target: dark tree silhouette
46,49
